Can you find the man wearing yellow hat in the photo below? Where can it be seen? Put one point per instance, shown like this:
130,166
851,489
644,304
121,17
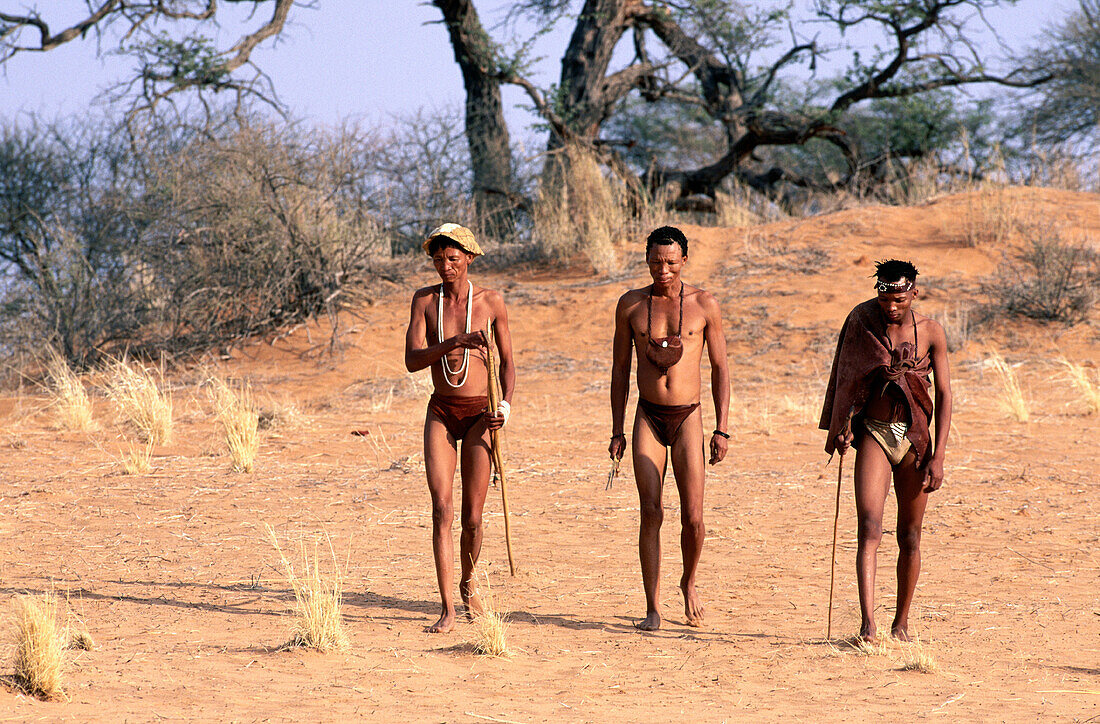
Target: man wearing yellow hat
445,334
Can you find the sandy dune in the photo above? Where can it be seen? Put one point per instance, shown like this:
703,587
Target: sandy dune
171,575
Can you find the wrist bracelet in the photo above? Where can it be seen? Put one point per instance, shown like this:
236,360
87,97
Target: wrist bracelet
723,434
621,434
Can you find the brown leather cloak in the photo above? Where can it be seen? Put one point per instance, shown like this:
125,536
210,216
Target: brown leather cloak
863,363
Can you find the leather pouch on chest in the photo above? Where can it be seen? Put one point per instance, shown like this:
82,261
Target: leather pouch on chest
664,352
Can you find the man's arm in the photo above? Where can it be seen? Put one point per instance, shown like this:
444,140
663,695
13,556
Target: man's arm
418,354
503,337
719,376
941,372
620,376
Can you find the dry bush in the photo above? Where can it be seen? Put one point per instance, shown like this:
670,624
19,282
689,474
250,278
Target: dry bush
915,657
40,659
1088,388
1010,396
68,396
580,212
318,620
236,411
140,401
1050,279
490,630
992,216
734,209
136,459
280,414
956,325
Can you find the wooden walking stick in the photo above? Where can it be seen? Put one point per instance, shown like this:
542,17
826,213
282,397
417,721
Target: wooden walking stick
494,436
832,565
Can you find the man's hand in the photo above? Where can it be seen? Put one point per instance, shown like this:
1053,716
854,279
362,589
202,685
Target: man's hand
500,418
718,447
470,340
617,447
843,441
935,475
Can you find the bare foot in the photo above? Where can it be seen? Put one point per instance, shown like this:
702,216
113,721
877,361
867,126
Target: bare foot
445,623
652,622
900,632
693,607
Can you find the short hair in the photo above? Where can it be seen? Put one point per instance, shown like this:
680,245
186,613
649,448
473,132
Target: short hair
664,236
891,270
440,242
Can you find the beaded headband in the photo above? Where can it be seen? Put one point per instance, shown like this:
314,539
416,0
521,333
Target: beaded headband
898,287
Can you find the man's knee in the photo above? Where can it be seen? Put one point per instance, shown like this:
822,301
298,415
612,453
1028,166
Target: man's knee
870,528
692,522
909,539
653,512
471,522
443,513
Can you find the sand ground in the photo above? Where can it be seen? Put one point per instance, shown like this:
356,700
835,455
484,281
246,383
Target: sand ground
171,575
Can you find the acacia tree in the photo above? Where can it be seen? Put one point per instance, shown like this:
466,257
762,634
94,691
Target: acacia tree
1068,108
704,55
168,63
486,130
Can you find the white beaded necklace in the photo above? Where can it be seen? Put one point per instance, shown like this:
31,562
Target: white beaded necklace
464,369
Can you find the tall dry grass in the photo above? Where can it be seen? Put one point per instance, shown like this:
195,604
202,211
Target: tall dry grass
916,657
235,410
140,400
136,459
1010,395
318,596
68,396
490,628
581,213
40,646
1088,388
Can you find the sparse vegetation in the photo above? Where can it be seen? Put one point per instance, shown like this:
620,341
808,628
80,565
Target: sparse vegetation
1010,395
40,646
1087,387
1050,279
318,597
235,410
916,657
69,398
136,458
490,628
140,401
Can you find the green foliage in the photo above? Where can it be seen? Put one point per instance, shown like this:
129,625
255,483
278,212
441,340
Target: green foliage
192,60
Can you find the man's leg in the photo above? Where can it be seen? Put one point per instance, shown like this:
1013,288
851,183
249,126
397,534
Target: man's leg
475,485
689,468
872,484
912,501
650,458
439,462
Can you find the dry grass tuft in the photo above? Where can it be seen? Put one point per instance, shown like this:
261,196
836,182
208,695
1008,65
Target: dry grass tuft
580,212
40,647
140,401
68,396
1088,388
1011,395
916,658
879,647
992,215
136,459
236,411
82,640
318,621
490,629
280,414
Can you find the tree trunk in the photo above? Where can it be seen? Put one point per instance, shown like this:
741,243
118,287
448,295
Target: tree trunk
486,131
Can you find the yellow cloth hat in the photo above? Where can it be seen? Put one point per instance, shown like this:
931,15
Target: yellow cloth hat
460,234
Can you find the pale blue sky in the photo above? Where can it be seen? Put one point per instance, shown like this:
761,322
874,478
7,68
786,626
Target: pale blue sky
353,58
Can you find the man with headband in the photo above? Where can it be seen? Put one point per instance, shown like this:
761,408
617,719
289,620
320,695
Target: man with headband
668,324
878,402
445,333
